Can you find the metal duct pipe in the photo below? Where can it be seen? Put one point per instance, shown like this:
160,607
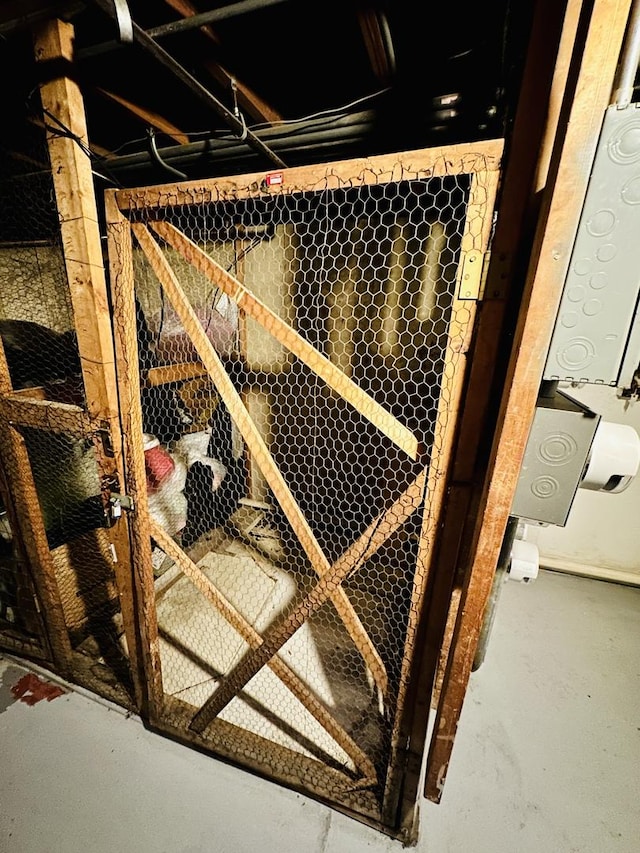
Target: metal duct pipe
630,59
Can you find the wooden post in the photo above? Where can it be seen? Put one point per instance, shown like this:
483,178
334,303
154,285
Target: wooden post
81,244
79,229
569,176
126,338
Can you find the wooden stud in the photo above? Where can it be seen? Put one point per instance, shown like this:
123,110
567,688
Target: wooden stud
361,401
258,448
142,601
6,386
373,538
249,634
168,373
37,392
81,243
569,174
462,159
10,507
80,233
240,248
24,498
534,127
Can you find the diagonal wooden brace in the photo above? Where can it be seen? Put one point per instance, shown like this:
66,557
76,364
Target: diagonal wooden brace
289,338
249,634
353,558
259,450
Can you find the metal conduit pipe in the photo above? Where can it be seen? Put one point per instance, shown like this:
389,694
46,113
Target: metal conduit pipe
221,14
630,59
183,24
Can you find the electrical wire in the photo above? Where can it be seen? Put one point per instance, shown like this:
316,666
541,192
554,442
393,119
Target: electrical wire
333,114
151,136
63,130
323,113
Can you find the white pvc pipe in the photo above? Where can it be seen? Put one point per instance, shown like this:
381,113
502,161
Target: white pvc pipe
630,59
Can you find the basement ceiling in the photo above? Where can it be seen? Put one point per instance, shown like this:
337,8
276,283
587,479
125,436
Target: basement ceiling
268,82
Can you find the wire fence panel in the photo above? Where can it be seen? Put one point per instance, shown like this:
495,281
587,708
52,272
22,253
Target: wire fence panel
58,593
299,342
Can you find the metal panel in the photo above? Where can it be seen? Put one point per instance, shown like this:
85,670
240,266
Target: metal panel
601,289
555,459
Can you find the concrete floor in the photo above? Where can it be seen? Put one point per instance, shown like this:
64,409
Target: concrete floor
547,759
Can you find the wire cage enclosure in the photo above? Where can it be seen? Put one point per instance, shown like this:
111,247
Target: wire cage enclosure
291,351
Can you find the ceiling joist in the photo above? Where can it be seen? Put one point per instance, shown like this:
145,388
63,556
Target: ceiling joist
248,100
160,55
149,117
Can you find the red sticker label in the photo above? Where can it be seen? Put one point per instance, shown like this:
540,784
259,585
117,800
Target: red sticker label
274,179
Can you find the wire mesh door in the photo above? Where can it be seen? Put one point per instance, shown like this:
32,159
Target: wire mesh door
291,352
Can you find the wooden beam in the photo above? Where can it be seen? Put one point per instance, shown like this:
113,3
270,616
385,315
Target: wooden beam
420,165
533,134
80,233
81,244
253,639
369,21
149,117
47,415
258,448
361,401
22,505
247,99
569,175
168,373
373,538
188,10
38,392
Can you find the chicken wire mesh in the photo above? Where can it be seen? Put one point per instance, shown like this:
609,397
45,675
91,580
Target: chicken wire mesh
53,474
21,627
288,343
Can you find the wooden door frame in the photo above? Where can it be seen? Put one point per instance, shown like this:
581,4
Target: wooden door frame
481,161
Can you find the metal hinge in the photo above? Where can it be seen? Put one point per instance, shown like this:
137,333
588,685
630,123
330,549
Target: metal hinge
472,273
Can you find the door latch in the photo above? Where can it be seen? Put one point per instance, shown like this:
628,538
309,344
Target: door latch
118,503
